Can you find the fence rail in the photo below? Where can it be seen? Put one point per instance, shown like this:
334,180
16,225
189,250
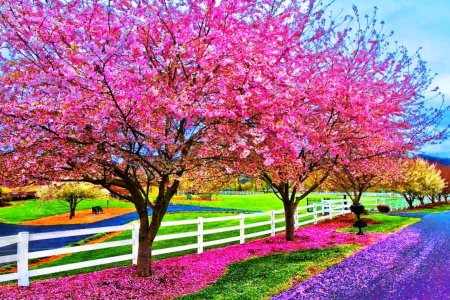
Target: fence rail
326,210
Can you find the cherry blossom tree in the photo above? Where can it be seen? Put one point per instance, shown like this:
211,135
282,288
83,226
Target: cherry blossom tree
134,93
356,91
362,174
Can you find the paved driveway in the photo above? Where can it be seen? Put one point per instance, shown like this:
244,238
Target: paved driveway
413,263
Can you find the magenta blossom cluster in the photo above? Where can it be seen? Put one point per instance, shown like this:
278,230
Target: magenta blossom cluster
182,275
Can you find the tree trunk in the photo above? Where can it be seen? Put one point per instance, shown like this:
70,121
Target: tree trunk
144,256
409,200
433,199
357,194
145,243
72,212
289,210
421,200
147,232
410,203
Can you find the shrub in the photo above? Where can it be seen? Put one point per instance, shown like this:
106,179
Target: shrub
205,196
383,208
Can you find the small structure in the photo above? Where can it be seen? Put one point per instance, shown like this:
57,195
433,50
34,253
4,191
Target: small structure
358,209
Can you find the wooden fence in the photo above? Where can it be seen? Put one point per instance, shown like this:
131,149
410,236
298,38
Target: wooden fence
326,211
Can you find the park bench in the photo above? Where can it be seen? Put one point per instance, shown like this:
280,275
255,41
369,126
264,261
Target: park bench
97,210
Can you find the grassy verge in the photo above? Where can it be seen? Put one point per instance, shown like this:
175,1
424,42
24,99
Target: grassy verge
263,277
383,223
435,208
27,210
245,202
263,202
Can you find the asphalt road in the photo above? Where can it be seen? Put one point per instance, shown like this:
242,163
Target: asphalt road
412,264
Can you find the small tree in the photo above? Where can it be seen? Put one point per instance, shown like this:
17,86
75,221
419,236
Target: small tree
354,180
418,180
71,194
205,181
432,183
445,175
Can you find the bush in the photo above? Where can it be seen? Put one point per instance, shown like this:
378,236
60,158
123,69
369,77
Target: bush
383,208
205,196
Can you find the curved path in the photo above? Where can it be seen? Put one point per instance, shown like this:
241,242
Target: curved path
413,263
11,229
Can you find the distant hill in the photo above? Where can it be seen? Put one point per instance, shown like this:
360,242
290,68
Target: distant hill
434,159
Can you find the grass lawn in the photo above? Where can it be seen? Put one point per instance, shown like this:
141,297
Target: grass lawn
26,210
263,202
263,277
383,223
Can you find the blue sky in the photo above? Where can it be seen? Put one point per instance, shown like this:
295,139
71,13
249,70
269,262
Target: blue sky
416,24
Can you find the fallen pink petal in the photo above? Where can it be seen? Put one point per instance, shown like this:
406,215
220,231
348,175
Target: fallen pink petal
182,275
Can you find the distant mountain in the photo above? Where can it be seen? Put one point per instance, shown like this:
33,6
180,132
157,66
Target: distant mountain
434,159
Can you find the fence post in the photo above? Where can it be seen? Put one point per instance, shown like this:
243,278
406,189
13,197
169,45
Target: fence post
296,218
22,259
315,212
330,210
272,225
135,242
200,235
241,228
343,208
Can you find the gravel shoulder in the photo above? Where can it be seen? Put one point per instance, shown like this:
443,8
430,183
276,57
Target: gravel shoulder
413,263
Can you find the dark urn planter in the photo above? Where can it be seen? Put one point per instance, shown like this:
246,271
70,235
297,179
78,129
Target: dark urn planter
358,209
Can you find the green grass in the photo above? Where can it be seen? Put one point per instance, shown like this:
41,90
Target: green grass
388,223
263,202
27,210
263,277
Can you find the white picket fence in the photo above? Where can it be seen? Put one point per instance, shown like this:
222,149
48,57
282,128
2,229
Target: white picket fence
333,208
